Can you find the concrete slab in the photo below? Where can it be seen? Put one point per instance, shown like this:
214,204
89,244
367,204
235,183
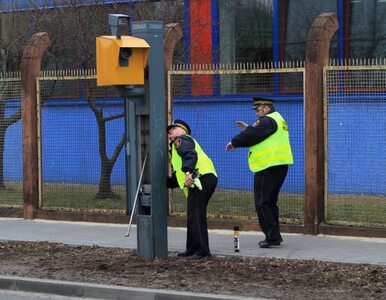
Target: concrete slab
295,246
102,291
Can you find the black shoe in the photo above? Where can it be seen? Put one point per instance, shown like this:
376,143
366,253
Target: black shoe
184,254
274,243
197,256
268,244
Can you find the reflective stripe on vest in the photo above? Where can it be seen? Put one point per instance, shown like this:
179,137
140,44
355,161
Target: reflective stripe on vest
204,165
275,150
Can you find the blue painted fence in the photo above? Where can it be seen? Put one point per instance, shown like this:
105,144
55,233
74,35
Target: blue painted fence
71,154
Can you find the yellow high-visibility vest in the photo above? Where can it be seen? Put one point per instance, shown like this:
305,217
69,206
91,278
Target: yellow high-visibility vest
275,150
204,165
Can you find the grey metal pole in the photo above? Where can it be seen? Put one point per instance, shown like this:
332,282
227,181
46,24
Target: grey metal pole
132,95
152,221
132,148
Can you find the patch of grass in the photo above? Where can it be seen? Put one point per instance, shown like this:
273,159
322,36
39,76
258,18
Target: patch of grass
12,195
357,210
240,204
81,196
353,209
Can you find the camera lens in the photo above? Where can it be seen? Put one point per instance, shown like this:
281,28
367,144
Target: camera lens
125,53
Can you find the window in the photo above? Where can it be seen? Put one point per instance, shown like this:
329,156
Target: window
364,28
295,20
245,30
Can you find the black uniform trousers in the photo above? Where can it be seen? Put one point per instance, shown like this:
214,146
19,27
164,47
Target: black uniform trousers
197,241
267,184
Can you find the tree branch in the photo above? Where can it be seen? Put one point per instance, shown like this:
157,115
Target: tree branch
118,149
13,119
113,117
98,113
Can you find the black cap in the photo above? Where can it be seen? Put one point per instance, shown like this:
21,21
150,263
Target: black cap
181,124
257,101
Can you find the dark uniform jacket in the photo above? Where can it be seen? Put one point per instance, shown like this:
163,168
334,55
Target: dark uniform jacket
187,151
253,135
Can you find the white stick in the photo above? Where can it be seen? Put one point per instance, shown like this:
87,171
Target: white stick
136,196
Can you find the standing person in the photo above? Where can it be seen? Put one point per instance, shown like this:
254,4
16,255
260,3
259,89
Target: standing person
269,156
194,173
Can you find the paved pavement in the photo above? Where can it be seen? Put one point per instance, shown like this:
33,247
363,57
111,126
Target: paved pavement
295,246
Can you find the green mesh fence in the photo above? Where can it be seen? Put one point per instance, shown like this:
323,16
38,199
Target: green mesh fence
82,146
77,154
211,99
356,144
11,166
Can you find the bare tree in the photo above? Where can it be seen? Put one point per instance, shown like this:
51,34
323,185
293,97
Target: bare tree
72,28
107,164
12,36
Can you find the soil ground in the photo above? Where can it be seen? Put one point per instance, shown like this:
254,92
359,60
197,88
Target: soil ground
260,277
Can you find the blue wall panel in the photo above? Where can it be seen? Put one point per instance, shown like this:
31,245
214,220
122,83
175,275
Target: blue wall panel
70,144
71,155
213,125
13,162
357,147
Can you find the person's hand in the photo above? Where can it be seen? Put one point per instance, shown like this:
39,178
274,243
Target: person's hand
229,147
241,124
188,180
256,123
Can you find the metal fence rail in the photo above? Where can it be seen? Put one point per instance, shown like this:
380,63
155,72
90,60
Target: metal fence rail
11,185
211,99
355,98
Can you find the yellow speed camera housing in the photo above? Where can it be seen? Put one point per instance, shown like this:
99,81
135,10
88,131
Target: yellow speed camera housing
121,61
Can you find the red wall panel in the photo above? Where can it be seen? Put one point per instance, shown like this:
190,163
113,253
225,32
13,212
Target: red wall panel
201,44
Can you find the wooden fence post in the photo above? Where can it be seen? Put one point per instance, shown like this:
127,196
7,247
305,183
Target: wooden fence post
317,55
31,61
173,34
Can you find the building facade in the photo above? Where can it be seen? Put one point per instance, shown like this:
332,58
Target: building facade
230,31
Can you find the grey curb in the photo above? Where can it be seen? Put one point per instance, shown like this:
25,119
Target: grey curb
101,291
